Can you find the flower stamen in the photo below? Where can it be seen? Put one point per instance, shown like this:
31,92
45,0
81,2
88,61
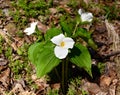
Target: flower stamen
62,44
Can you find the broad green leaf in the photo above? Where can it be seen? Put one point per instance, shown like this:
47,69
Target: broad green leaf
46,62
67,28
42,56
34,51
52,32
80,56
86,36
83,33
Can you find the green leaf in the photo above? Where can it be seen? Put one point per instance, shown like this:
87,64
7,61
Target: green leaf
86,36
80,56
42,56
51,33
83,33
34,51
47,61
92,44
67,28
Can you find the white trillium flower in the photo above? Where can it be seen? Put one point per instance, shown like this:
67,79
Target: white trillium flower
85,16
31,29
62,45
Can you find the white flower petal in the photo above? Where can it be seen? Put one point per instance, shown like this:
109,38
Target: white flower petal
28,31
31,29
33,24
60,52
80,11
57,39
69,42
86,17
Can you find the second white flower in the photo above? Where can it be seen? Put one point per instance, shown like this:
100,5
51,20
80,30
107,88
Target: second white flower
85,16
31,29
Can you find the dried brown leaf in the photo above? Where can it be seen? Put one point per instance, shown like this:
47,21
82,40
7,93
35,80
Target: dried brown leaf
105,81
42,27
5,78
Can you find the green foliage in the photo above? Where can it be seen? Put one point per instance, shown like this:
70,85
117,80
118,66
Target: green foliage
67,27
19,64
111,12
44,66
86,36
38,53
29,10
81,57
74,87
83,33
25,9
34,51
8,52
101,67
22,50
1,44
51,33
19,69
53,92
73,3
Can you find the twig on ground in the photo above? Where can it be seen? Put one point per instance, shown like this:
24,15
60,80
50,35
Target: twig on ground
112,54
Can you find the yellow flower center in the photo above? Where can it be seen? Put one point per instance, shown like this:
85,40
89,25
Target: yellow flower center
62,44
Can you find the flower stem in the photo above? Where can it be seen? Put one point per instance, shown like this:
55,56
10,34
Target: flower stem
66,72
64,84
57,74
63,77
75,28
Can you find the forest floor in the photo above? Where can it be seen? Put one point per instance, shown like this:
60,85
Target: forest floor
18,75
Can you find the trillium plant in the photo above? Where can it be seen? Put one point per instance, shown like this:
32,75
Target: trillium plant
63,46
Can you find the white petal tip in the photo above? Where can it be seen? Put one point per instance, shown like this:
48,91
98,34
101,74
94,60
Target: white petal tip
80,11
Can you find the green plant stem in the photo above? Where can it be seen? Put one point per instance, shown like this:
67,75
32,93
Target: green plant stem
57,74
66,71
64,76
75,28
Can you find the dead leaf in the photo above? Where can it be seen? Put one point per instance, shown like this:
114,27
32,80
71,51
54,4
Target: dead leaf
113,35
3,62
41,83
27,93
87,1
56,86
66,8
93,88
17,89
11,28
53,10
4,78
42,27
105,81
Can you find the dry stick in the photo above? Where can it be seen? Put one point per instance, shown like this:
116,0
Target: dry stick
112,54
8,40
